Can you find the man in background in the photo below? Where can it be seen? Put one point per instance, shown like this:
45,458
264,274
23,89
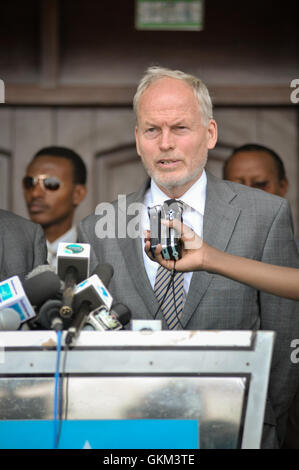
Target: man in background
54,186
257,166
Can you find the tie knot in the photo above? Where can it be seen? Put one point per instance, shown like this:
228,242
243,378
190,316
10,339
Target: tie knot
174,204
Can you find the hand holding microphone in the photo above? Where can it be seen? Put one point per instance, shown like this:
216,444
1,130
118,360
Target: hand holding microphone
193,250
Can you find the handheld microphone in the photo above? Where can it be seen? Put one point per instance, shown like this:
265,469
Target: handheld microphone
72,268
101,319
9,319
12,295
88,295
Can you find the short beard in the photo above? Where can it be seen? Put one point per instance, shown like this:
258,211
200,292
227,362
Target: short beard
179,182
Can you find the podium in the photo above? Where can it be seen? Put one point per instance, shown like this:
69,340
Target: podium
135,389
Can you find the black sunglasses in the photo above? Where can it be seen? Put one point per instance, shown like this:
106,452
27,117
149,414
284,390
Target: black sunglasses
50,183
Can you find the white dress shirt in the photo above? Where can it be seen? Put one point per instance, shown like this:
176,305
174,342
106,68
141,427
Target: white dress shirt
68,237
195,198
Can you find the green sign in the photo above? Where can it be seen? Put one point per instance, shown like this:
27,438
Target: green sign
176,15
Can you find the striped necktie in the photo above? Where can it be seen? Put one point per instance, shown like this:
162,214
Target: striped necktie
170,297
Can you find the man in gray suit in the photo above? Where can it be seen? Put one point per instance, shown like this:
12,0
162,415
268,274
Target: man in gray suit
22,246
174,131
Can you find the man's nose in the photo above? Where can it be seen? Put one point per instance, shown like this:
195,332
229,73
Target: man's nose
167,141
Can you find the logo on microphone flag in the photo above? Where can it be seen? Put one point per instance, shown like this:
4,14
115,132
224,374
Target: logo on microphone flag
74,248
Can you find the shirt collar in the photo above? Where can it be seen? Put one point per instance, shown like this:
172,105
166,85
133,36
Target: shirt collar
69,236
195,197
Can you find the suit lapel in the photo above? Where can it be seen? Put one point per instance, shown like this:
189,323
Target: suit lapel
218,225
132,252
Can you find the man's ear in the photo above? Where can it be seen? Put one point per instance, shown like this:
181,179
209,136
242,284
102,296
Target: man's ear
137,141
212,134
79,194
283,187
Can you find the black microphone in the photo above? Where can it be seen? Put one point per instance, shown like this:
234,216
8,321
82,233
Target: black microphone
9,319
49,317
101,319
90,294
72,267
105,272
41,286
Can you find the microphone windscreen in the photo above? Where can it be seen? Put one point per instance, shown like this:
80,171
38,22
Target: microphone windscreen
105,273
40,269
41,287
9,319
48,312
123,313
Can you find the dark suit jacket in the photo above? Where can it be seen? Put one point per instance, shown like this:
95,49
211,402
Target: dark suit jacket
241,221
22,246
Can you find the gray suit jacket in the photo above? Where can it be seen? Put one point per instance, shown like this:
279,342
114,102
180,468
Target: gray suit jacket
242,221
22,246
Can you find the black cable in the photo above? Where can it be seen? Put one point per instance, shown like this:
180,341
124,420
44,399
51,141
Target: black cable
173,291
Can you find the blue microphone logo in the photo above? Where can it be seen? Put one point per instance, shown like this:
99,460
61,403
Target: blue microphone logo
73,249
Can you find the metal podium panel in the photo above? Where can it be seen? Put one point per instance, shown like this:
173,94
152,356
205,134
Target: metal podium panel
217,378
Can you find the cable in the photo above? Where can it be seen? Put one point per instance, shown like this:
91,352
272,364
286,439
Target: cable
173,291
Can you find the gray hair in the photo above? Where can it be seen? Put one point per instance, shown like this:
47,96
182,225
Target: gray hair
199,88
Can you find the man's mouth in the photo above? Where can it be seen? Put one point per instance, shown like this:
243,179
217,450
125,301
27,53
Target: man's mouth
36,207
168,163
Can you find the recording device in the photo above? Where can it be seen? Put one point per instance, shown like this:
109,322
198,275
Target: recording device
12,295
161,234
89,295
9,319
72,268
101,319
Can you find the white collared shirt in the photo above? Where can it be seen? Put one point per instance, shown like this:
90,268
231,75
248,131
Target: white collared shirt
195,198
69,236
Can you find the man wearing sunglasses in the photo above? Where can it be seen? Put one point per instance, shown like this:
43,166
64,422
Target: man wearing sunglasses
54,185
